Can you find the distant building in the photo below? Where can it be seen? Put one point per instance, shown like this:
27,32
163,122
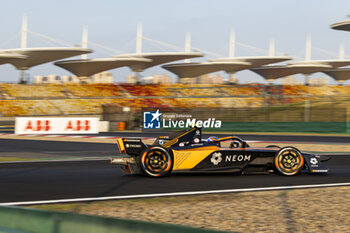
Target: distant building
233,79
70,79
52,78
162,79
204,79
209,79
187,80
148,80
103,77
131,79
319,81
155,79
218,79
290,80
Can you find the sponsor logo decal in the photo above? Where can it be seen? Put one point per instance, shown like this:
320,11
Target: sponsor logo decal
38,125
198,144
238,158
133,145
216,158
78,125
313,161
56,125
44,125
321,171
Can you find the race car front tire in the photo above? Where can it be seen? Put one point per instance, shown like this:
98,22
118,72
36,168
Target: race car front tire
156,162
289,161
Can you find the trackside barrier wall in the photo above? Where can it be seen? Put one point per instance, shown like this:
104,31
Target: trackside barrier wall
22,220
297,127
285,127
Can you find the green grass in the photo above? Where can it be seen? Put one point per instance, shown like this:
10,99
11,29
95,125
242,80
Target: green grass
14,159
72,207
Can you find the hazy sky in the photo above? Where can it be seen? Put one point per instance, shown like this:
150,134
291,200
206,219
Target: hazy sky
112,23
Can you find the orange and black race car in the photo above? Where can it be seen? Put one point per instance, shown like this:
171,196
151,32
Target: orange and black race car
185,151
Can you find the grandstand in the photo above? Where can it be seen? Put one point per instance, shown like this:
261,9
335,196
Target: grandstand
32,91
88,99
94,90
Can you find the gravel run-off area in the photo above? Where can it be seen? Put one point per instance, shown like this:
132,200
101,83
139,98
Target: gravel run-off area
300,210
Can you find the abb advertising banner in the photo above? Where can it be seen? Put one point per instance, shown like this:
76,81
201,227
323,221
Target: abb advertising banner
56,125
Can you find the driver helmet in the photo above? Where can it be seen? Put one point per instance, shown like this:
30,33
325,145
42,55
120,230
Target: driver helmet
212,139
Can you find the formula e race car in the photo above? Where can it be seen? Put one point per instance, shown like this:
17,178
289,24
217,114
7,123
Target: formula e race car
185,151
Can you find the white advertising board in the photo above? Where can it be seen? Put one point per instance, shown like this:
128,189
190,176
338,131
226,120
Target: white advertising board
56,125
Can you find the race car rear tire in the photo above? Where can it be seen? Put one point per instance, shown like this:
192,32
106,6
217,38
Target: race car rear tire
289,161
156,162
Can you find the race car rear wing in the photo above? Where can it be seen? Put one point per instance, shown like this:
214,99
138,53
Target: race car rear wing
130,146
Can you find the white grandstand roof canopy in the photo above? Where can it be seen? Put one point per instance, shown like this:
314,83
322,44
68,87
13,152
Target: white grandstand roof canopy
343,25
255,61
37,56
275,72
191,70
7,58
340,74
333,63
158,58
88,67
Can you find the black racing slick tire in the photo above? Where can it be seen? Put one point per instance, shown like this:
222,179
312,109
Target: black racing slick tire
289,161
156,162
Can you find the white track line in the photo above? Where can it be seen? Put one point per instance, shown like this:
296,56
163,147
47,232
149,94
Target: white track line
172,194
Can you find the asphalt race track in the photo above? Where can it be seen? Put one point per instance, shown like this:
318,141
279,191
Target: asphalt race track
35,181
55,149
